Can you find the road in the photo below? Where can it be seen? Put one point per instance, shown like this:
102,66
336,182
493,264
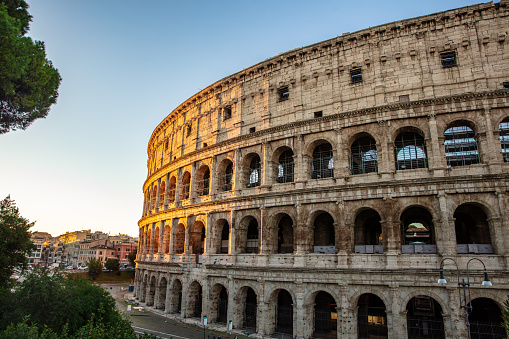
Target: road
161,326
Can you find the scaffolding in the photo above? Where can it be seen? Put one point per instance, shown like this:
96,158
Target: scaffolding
410,151
504,139
322,165
460,146
363,156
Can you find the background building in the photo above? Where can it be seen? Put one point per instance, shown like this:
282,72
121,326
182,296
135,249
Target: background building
316,193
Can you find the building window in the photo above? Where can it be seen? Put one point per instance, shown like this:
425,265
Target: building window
410,151
254,172
363,156
460,146
504,138
448,59
227,113
356,75
203,183
318,114
186,181
283,94
172,188
506,84
252,129
285,167
189,130
227,178
322,165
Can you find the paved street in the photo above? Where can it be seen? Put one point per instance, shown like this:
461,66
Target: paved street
162,326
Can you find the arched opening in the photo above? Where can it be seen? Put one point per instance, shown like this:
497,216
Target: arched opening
176,297
186,182
472,230
285,167
324,237
225,238
156,240
180,238
410,151
198,238
486,320
504,138
172,189
460,146
326,316
194,303
203,181
161,294
154,196
363,156
254,172
285,235
144,286
371,317
219,304
252,241
166,239
250,310
284,313
151,291
424,318
417,231
162,189
149,240
368,232
322,165
226,179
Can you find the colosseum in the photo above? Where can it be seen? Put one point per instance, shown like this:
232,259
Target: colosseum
316,194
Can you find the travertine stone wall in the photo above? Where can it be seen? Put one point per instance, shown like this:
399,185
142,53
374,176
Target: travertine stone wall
345,233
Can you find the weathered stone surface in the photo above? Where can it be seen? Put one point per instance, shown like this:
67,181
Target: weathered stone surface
241,202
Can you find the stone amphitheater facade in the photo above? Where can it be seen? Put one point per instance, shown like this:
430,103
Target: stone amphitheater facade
315,194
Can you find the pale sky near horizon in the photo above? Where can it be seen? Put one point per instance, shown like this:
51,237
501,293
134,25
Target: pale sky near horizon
125,66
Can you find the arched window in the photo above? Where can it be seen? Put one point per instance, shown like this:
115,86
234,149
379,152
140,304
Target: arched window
285,167
203,182
424,318
326,316
285,235
363,156
460,146
324,236
172,189
186,182
368,233
322,165
410,151
417,231
227,178
254,172
252,244
504,138
371,317
472,230
162,189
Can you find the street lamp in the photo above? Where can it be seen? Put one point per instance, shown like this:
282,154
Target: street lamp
465,302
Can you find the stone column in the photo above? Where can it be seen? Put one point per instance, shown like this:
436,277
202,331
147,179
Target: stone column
237,173
166,189
266,180
161,237
396,321
436,159
214,182
504,228
152,235
299,313
178,185
341,165
446,244
491,152
157,194
299,166
192,185
167,301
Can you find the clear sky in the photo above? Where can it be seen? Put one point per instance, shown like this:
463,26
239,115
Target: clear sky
125,66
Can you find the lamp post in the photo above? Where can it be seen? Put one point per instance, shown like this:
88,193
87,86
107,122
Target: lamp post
465,302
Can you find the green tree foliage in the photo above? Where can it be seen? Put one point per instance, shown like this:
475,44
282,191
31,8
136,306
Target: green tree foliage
132,257
95,268
15,243
112,264
28,81
505,316
57,301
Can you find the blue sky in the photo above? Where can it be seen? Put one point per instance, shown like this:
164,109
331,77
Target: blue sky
125,65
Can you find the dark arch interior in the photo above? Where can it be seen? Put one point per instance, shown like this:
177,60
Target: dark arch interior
424,318
326,317
285,235
371,317
284,316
